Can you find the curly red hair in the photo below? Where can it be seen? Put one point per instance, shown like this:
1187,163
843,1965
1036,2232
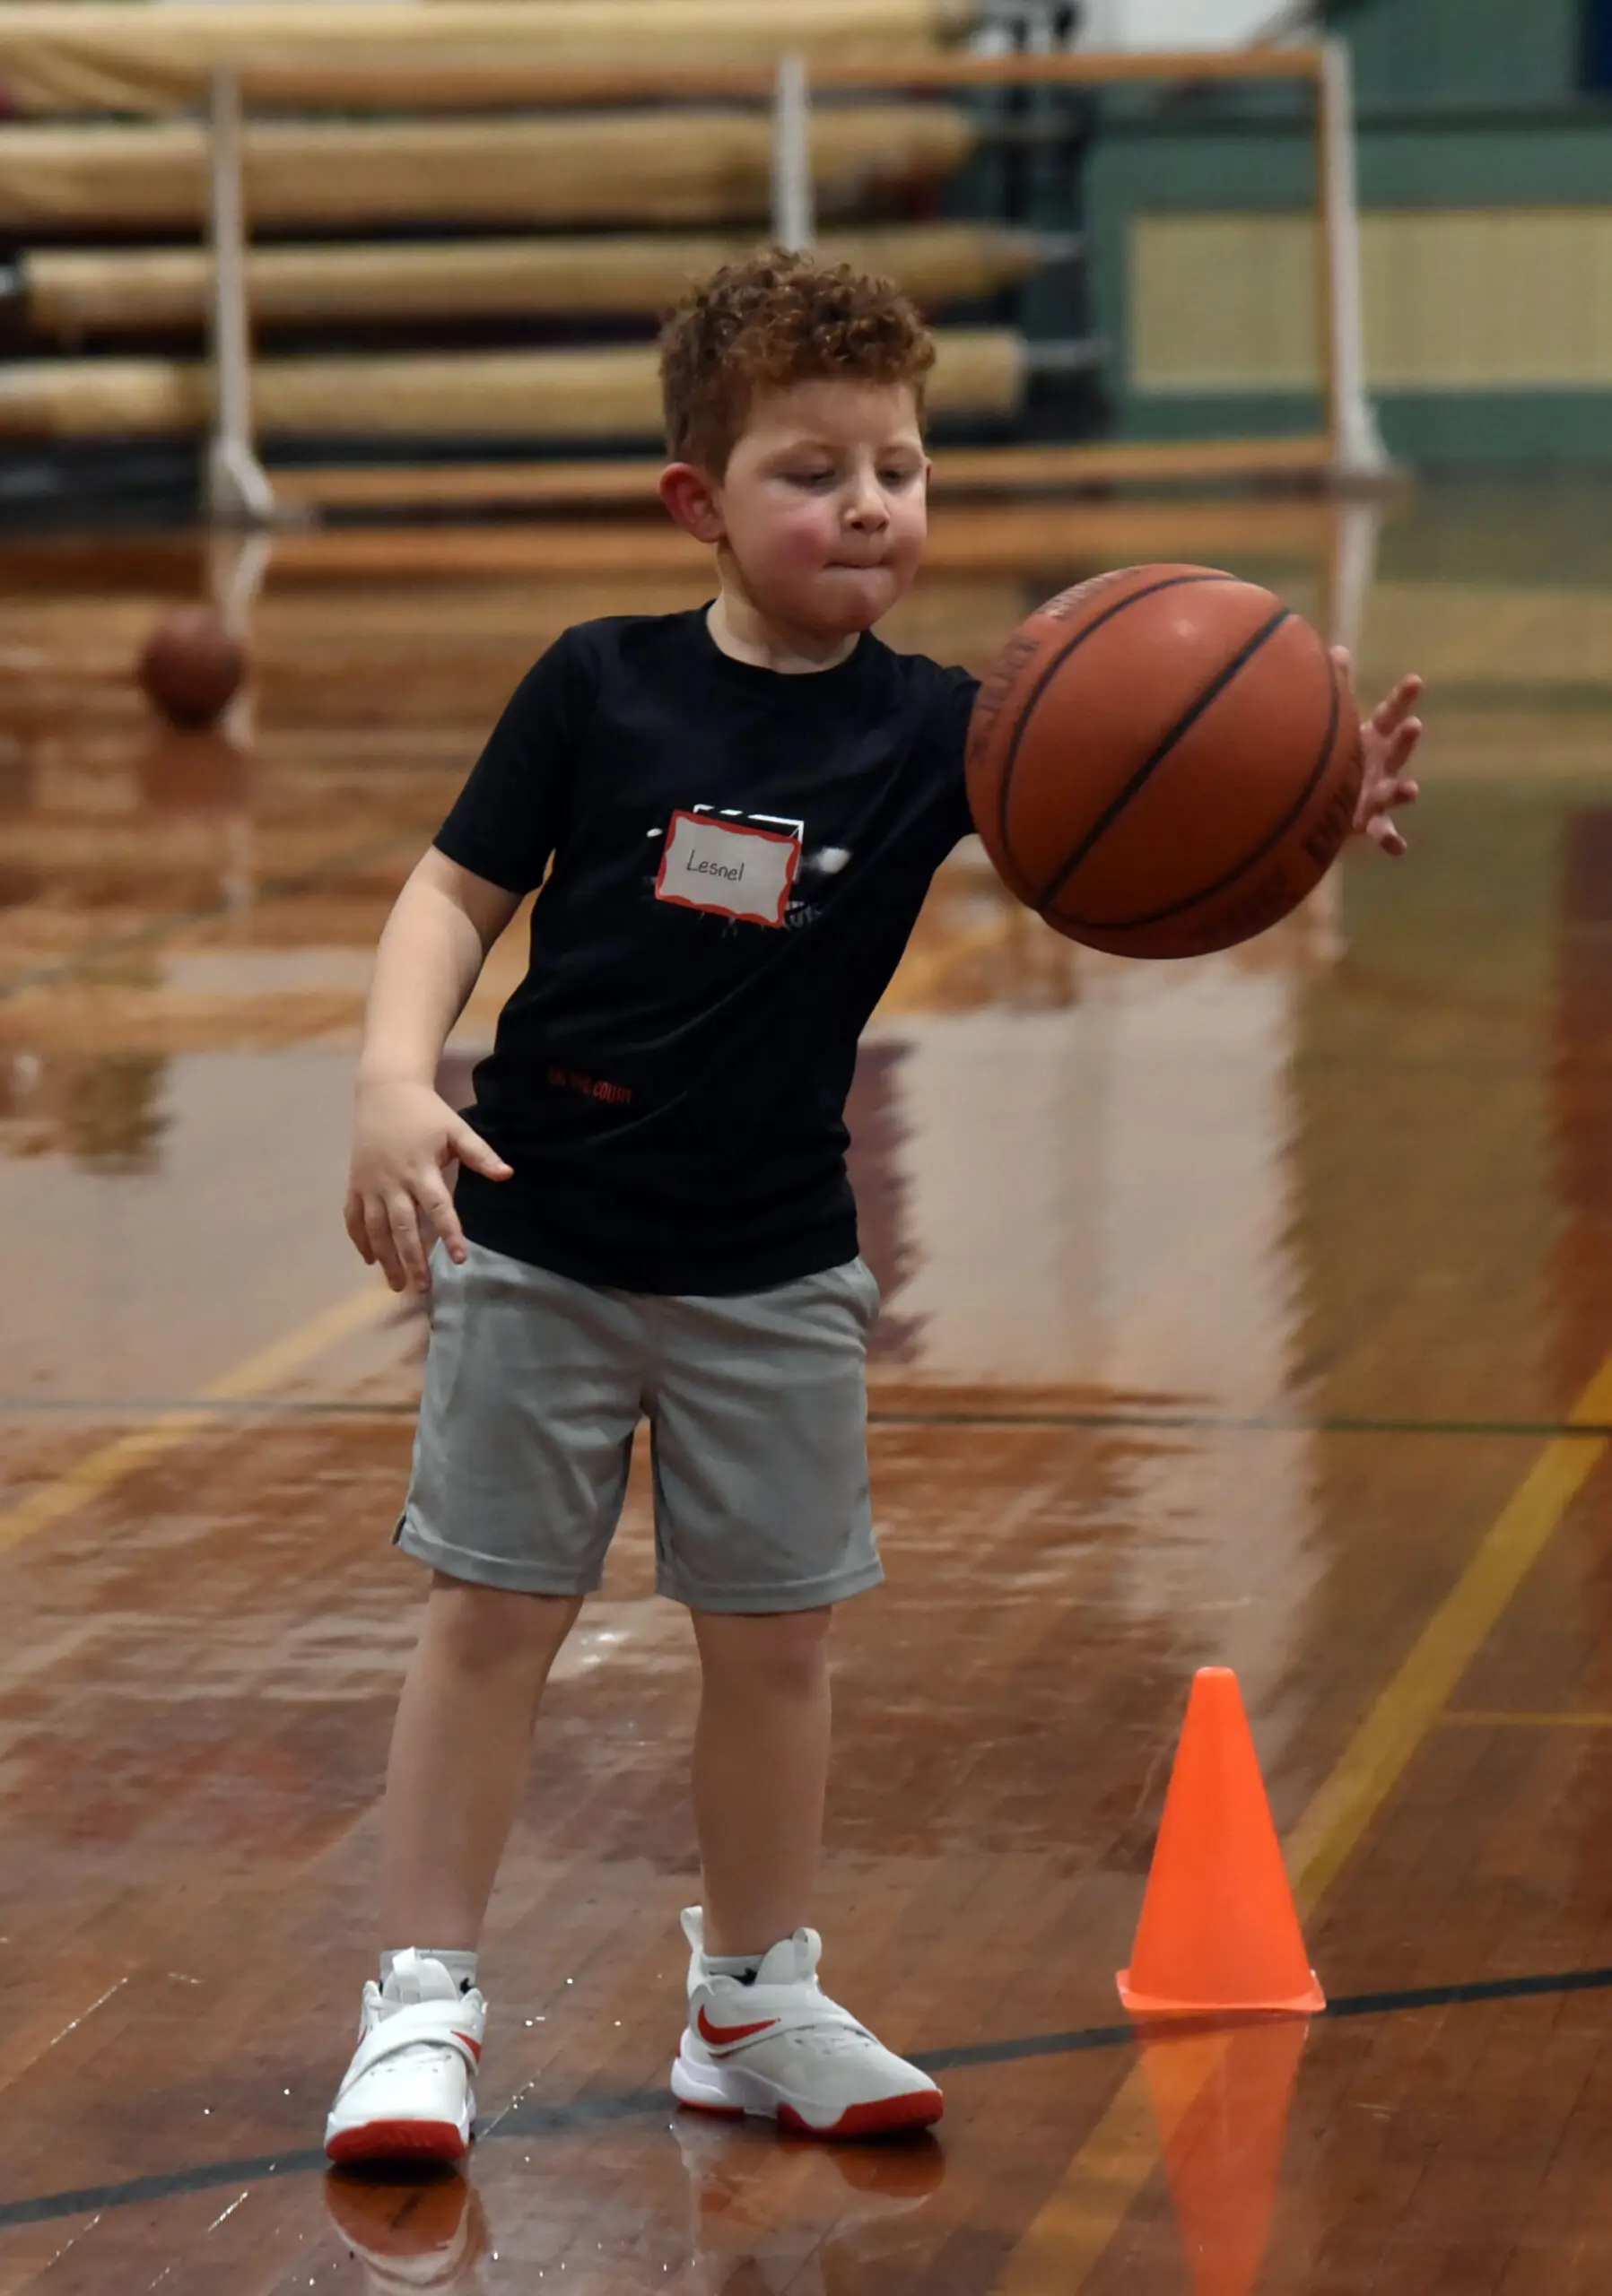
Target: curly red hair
775,319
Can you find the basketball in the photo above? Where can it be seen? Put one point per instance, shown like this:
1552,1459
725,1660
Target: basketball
1163,762
191,667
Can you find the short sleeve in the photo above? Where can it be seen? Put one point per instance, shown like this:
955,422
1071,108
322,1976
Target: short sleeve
510,814
952,709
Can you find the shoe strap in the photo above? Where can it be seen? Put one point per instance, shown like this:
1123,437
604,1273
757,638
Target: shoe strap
781,2008
438,2024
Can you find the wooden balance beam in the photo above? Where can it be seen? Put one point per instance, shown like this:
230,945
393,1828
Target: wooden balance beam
1098,465
582,394
677,167
66,294
89,56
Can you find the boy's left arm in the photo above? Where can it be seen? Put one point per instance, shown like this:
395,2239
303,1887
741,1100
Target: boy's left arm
1387,739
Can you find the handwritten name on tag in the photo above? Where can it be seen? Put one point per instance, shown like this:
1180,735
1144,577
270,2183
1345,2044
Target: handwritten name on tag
727,871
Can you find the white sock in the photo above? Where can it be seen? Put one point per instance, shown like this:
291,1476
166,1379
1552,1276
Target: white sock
460,1966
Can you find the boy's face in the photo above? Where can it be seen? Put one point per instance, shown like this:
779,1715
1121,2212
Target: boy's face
823,504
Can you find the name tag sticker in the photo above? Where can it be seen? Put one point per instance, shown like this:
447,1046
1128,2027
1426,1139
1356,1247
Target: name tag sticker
727,871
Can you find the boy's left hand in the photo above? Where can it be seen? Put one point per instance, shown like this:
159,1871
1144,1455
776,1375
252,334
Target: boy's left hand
1387,739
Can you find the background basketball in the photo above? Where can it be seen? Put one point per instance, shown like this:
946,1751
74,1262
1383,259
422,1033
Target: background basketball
191,667
1163,762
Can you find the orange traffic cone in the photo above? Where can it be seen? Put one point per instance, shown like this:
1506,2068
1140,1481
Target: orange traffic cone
1221,2102
1219,1932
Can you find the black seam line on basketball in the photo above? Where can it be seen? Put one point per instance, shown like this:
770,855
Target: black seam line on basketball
539,2120
1150,766
1070,645
1250,860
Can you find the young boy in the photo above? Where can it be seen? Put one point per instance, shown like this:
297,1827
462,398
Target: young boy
735,814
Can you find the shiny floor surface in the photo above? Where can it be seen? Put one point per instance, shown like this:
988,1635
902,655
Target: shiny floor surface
1255,1311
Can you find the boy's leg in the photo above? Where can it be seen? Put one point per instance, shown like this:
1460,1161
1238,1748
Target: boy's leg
765,2038
460,1746
459,1750
761,1771
532,1392
762,1524
521,1457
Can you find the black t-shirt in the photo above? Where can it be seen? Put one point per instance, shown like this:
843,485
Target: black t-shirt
738,858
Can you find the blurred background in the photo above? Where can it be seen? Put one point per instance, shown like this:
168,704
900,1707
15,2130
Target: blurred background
1224,1303
337,317
463,230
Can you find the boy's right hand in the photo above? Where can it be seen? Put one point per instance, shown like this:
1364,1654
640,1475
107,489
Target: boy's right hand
404,1137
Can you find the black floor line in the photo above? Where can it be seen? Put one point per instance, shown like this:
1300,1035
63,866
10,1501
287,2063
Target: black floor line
593,2112
1254,1423
80,964
1140,1421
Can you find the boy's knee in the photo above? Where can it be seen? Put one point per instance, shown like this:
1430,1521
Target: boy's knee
481,1628
787,1651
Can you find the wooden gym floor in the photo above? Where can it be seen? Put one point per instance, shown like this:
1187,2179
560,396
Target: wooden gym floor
1256,1312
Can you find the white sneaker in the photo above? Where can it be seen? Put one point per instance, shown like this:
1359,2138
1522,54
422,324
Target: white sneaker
782,2048
407,2094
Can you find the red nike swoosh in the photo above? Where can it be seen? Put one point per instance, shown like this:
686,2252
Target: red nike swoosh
725,2036
474,2047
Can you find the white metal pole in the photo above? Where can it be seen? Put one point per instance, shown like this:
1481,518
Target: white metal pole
237,484
794,216
1356,525
1358,451
238,559
1354,569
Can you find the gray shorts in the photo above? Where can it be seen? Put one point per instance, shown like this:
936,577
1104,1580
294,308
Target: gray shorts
757,1411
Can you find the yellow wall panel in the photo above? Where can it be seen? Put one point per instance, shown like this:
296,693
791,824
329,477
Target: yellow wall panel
1509,298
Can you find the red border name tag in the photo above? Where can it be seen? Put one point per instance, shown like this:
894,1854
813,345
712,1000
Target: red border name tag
727,870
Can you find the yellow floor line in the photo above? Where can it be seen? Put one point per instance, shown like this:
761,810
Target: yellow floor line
1077,2224
126,1454
1500,1717
1065,2241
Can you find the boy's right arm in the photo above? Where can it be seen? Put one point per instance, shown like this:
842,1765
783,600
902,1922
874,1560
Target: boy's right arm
404,1136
